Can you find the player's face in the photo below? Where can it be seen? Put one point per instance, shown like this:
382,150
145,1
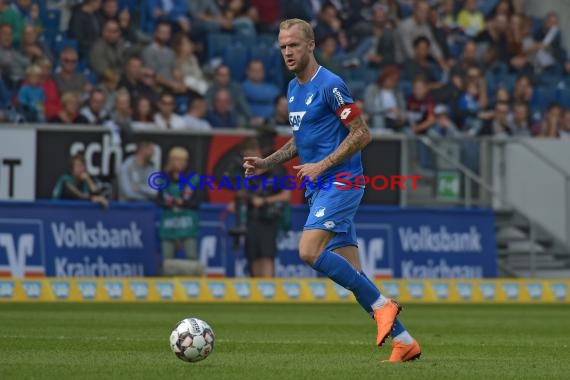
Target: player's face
295,48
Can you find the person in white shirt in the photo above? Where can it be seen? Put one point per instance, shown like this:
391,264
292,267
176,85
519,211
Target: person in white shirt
165,118
195,118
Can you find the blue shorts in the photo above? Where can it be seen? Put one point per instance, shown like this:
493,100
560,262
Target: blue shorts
334,210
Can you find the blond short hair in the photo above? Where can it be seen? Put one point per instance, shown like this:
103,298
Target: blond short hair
178,152
34,70
303,25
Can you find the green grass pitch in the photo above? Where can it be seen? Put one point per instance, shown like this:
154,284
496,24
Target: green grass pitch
281,341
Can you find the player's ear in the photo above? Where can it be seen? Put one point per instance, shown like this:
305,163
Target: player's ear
311,45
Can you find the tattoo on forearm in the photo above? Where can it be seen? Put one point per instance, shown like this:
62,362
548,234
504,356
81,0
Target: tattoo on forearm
357,139
284,154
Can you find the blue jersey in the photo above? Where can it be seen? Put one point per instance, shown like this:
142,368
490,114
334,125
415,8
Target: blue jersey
318,131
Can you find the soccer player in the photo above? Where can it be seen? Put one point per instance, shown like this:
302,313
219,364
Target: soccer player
328,135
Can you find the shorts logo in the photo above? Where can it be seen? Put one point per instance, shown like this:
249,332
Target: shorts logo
329,224
320,212
344,114
338,97
291,99
295,119
309,99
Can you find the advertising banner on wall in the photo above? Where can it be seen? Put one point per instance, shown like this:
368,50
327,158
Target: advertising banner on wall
17,163
77,240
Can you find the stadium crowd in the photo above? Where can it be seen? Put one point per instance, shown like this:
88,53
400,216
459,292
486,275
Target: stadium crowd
442,68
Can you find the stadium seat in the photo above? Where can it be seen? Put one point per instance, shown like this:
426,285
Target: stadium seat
487,6
236,57
217,44
51,22
545,96
406,87
563,97
61,42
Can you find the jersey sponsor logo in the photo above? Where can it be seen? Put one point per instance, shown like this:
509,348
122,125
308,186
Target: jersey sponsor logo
242,289
21,249
329,224
511,291
488,290
292,289
6,289
192,288
295,119
114,289
320,212
267,289
139,289
309,99
33,289
60,289
441,290
465,290
217,289
88,290
344,114
165,290
338,97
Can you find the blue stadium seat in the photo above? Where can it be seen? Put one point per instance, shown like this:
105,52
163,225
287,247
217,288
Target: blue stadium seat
406,87
545,96
406,10
563,97
487,6
236,57
61,42
51,22
217,44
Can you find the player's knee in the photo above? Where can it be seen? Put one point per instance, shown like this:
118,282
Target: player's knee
309,255
312,244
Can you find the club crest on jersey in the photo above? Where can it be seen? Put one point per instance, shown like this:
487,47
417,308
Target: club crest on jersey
309,99
295,119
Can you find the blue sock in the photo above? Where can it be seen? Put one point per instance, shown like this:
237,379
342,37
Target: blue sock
398,327
338,269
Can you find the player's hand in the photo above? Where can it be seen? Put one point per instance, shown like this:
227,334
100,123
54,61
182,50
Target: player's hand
254,166
309,170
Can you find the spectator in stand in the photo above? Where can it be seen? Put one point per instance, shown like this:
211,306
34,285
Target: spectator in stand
148,86
52,95
498,125
470,19
471,109
382,41
384,102
18,15
280,118
179,226
109,85
221,114
420,107
241,16
5,103
31,96
120,120
565,128
12,63
329,24
207,16
327,54
440,34
496,39
443,125
448,17
70,109
450,93
196,116
519,121
240,107
78,184
143,115
165,118
68,79
130,79
109,52
94,112
524,92
544,49
259,94
502,95
550,125
161,58
134,174
469,58
269,15
173,11
421,65
110,11
85,26
188,65
412,28
31,47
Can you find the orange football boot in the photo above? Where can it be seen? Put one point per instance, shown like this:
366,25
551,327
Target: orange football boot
385,317
404,352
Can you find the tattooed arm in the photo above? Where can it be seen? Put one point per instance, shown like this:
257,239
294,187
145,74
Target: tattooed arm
357,139
284,154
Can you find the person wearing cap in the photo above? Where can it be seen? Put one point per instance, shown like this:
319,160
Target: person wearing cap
443,126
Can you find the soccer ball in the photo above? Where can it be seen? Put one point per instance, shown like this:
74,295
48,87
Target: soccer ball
192,340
